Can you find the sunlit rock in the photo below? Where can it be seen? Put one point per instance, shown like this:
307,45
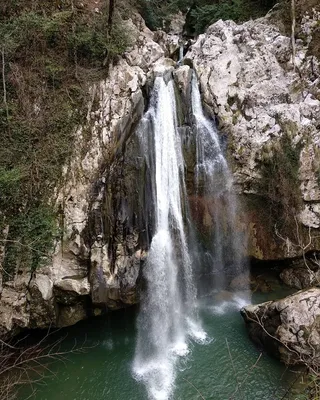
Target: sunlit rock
289,328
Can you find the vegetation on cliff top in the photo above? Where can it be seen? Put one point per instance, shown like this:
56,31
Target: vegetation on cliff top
201,13
50,51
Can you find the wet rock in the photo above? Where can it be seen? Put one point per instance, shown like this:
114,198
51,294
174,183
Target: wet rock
41,299
245,281
300,278
115,286
289,328
248,81
70,315
182,77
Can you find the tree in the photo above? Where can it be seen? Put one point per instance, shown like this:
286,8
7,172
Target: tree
22,364
110,15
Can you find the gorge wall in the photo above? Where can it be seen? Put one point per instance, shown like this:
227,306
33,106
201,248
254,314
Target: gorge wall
268,113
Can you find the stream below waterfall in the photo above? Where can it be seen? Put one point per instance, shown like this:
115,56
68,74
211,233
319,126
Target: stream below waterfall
104,371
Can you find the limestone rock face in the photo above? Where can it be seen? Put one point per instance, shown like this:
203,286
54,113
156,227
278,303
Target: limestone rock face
300,278
97,263
14,313
263,100
302,274
289,328
252,87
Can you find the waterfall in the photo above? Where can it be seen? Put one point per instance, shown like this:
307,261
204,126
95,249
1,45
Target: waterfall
168,320
168,315
214,183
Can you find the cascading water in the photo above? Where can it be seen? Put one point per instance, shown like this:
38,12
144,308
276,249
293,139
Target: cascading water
168,313
214,183
168,316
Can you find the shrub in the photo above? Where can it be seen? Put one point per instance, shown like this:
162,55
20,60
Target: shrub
205,13
31,236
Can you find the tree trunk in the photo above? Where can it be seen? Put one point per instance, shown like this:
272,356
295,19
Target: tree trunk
293,32
110,16
4,87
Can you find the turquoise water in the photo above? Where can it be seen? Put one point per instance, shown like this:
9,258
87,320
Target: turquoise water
219,370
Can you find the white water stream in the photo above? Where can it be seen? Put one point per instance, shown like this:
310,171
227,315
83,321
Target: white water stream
215,182
168,315
168,319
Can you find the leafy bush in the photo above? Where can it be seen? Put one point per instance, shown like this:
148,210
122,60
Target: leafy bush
205,15
119,40
10,180
202,15
31,236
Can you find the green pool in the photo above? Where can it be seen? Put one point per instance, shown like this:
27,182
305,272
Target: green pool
222,369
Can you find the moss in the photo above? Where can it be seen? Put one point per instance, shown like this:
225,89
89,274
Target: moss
235,117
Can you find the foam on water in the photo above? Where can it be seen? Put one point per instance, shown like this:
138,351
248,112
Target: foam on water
168,322
168,306
237,302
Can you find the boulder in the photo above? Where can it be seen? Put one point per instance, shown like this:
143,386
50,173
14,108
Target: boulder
289,328
42,307
14,311
67,291
300,278
70,315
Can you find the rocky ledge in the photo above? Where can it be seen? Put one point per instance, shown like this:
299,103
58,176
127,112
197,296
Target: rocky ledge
288,329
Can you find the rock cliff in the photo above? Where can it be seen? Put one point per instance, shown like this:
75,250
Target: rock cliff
267,105
96,263
268,111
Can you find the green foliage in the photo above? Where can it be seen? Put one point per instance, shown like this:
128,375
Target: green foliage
208,14
152,12
50,52
201,13
10,180
119,40
205,13
157,13
31,236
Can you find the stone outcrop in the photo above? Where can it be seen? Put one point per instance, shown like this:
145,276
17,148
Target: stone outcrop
289,328
96,265
268,108
302,274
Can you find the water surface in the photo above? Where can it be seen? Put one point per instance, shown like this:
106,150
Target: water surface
220,370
